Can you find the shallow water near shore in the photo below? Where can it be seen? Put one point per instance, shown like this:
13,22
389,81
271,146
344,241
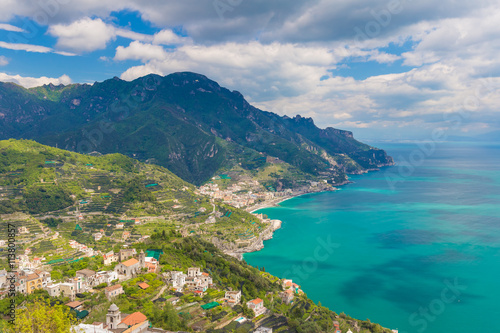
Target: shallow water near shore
415,248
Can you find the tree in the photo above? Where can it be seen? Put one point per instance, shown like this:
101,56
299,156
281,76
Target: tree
56,275
40,317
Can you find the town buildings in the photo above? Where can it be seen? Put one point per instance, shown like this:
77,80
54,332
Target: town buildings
257,305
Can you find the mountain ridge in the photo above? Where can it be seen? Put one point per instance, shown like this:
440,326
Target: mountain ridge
183,121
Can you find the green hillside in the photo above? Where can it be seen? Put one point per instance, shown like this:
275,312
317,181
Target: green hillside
99,192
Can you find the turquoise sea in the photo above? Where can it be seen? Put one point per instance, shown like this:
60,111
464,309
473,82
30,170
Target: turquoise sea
414,247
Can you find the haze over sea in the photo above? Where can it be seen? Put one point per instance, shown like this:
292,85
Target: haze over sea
400,246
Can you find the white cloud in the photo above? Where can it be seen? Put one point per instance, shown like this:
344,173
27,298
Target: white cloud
84,35
139,51
9,27
87,35
3,61
30,82
133,35
168,37
25,47
276,54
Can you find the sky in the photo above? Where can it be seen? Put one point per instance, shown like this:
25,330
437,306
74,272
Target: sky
395,69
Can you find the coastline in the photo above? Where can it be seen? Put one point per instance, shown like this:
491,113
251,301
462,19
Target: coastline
275,202
258,243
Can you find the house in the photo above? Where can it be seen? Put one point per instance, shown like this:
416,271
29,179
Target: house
120,226
97,236
125,235
232,297
68,290
206,279
75,305
257,305
198,293
126,253
109,258
263,329
178,279
151,264
143,285
192,283
22,230
95,327
173,300
88,277
286,283
193,272
128,268
31,281
113,291
46,278
287,296
37,261
54,290
336,326
107,276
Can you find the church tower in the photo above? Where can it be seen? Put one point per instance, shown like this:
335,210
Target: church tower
142,259
114,317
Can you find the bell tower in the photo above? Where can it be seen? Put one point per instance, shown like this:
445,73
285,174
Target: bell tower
142,259
114,317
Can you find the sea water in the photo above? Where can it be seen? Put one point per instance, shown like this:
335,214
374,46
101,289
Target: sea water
415,246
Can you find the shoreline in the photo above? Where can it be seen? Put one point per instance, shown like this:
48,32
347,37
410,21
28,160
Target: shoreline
258,244
268,233
275,202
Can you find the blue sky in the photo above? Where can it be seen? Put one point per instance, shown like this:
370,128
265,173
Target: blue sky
393,69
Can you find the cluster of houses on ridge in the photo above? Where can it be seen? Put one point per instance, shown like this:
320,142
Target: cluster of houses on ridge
127,265
235,196
28,280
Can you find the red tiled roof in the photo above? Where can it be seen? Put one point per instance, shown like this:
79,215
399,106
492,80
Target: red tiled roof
134,318
143,285
256,301
130,262
74,304
111,288
33,276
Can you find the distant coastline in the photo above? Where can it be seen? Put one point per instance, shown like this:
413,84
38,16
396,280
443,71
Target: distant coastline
276,201
258,244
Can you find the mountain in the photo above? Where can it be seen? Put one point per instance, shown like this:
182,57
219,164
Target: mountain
184,122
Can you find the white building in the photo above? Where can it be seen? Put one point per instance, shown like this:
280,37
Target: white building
193,272
257,305
233,297
109,258
178,279
54,290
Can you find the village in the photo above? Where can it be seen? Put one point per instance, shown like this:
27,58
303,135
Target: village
251,195
191,291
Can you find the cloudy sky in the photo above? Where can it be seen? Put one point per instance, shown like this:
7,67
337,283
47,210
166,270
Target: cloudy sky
395,69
